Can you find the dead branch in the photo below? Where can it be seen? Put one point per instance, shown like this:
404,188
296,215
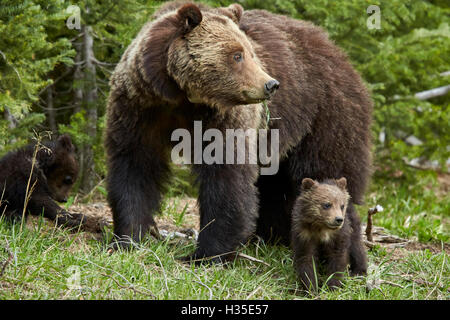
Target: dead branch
102,63
130,287
250,258
436,92
370,213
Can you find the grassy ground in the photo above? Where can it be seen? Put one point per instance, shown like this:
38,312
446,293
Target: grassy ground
41,262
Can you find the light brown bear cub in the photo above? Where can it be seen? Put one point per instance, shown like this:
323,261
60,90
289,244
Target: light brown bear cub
322,233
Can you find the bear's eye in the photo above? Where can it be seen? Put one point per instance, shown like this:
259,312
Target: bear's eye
237,57
326,206
68,180
342,207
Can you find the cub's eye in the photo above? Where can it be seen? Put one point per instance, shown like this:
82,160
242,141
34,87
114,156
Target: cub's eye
342,207
237,57
326,206
68,180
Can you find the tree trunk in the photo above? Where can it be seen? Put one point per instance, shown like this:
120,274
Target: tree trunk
90,106
51,113
78,77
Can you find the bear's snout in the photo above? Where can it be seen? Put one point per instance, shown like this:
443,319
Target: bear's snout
271,86
338,221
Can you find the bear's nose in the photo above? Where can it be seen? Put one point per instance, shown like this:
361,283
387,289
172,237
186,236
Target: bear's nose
338,220
271,86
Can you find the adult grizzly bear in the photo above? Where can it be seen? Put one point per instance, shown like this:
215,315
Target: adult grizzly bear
217,66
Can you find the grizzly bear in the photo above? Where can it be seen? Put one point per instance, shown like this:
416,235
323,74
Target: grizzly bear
48,179
323,231
232,69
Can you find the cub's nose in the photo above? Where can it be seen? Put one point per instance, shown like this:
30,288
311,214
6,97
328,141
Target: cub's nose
271,86
338,220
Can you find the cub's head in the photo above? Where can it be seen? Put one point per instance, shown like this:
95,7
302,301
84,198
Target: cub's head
324,204
61,170
207,56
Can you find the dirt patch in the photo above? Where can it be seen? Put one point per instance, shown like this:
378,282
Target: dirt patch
98,216
398,247
444,185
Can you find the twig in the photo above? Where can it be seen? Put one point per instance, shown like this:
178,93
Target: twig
253,293
131,287
8,260
253,259
391,283
94,59
28,190
370,213
160,263
201,283
369,244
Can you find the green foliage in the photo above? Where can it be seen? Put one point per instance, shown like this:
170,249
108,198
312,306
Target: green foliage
77,129
403,57
26,57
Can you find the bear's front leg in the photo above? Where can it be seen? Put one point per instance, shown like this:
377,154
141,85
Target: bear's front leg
40,203
228,203
135,182
336,265
306,262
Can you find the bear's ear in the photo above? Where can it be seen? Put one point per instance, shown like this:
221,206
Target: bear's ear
236,10
308,183
190,16
342,183
64,142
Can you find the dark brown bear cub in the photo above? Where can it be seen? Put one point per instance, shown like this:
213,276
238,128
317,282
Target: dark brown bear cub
322,232
52,176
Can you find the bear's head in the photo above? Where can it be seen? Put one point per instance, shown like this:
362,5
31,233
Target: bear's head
207,56
324,204
60,168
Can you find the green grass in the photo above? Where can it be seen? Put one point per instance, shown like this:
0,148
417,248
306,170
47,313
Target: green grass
412,206
52,263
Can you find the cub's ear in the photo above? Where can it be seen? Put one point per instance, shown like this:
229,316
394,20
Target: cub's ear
236,10
190,17
342,183
308,183
65,142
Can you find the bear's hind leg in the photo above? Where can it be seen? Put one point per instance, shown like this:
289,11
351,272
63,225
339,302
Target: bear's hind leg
358,255
275,205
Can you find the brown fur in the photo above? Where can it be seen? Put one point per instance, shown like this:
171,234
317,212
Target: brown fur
322,231
180,68
52,176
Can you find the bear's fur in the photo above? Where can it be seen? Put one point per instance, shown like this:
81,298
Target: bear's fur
54,171
186,65
324,231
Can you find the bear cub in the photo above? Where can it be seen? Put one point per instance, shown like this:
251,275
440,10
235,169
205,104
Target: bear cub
322,233
54,172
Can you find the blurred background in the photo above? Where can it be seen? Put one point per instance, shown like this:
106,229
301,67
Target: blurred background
56,58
